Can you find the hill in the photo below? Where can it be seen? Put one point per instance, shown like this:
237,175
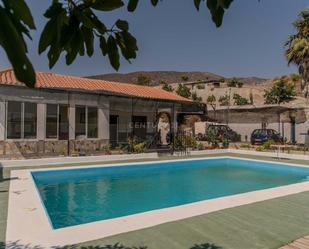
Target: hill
155,77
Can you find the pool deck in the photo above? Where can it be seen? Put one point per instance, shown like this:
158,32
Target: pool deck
266,224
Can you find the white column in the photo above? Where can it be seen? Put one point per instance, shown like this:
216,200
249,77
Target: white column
103,118
2,120
41,121
72,122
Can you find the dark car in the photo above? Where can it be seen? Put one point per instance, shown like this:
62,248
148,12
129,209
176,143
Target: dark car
224,132
260,136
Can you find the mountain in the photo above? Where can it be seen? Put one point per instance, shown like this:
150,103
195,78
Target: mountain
156,77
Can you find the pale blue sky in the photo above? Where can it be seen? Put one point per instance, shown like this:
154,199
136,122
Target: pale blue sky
174,36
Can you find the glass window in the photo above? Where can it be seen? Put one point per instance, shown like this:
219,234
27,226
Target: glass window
80,121
51,121
14,118
63,122
92,131
30,120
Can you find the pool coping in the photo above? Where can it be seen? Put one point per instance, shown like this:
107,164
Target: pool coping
28,222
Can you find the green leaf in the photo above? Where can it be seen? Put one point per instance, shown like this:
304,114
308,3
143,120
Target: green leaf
14,46
225,3
113,53
107,5
123,25
75,47
47,35
132,5
103,45
216,11
20,10
154,2
127,44
53,55
53,10
88,38
197,4
84,17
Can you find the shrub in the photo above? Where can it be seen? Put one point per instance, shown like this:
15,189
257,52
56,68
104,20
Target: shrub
281,92
225,144
143,80
239,100
235,82
224,100
139,148
185,78
183,91
196,98
200,86
200,146
167,87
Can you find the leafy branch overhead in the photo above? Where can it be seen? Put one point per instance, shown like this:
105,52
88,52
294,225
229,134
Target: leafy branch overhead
72,27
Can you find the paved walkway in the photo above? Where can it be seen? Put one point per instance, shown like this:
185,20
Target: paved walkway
302,243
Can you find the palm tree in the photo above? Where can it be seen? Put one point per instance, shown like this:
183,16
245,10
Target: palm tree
297,49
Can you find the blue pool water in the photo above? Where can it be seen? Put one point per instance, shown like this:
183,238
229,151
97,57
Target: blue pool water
78,196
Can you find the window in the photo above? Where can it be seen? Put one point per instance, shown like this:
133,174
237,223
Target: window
80,121
63,122
21,120
57,122
92,131
30,118
51,121
86,122
14,110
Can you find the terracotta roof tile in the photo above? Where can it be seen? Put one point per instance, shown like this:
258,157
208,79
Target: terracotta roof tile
56,81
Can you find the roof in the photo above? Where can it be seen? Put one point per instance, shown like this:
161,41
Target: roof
62,82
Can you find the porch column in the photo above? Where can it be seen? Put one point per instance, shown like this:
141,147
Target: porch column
103,119
72,122
2,120
41,117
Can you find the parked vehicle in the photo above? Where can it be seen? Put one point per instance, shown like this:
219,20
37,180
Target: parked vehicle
260,136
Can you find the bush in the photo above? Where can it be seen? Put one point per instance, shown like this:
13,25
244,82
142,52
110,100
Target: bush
139,148
143,80
196,98
167,87
239,100
224,100
200,146
235,82
183,91
281,92
200,86
225,144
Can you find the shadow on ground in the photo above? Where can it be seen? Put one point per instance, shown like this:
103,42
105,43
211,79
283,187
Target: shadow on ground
18,245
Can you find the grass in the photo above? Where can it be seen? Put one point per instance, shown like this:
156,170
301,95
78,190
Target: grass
268,224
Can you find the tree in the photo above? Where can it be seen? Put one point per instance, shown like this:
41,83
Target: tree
224,100
239,100
72,28
143,80
211,100
167,87
184,78
280,92
235,82
196,98
297,49
183,91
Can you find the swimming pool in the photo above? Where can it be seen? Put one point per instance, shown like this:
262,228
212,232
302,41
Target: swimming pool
78,196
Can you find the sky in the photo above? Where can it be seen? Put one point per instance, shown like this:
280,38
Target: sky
175,37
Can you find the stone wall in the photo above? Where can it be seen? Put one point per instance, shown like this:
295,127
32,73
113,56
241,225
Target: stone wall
39,149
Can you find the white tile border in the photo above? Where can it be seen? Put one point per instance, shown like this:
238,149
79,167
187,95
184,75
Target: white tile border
29,224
